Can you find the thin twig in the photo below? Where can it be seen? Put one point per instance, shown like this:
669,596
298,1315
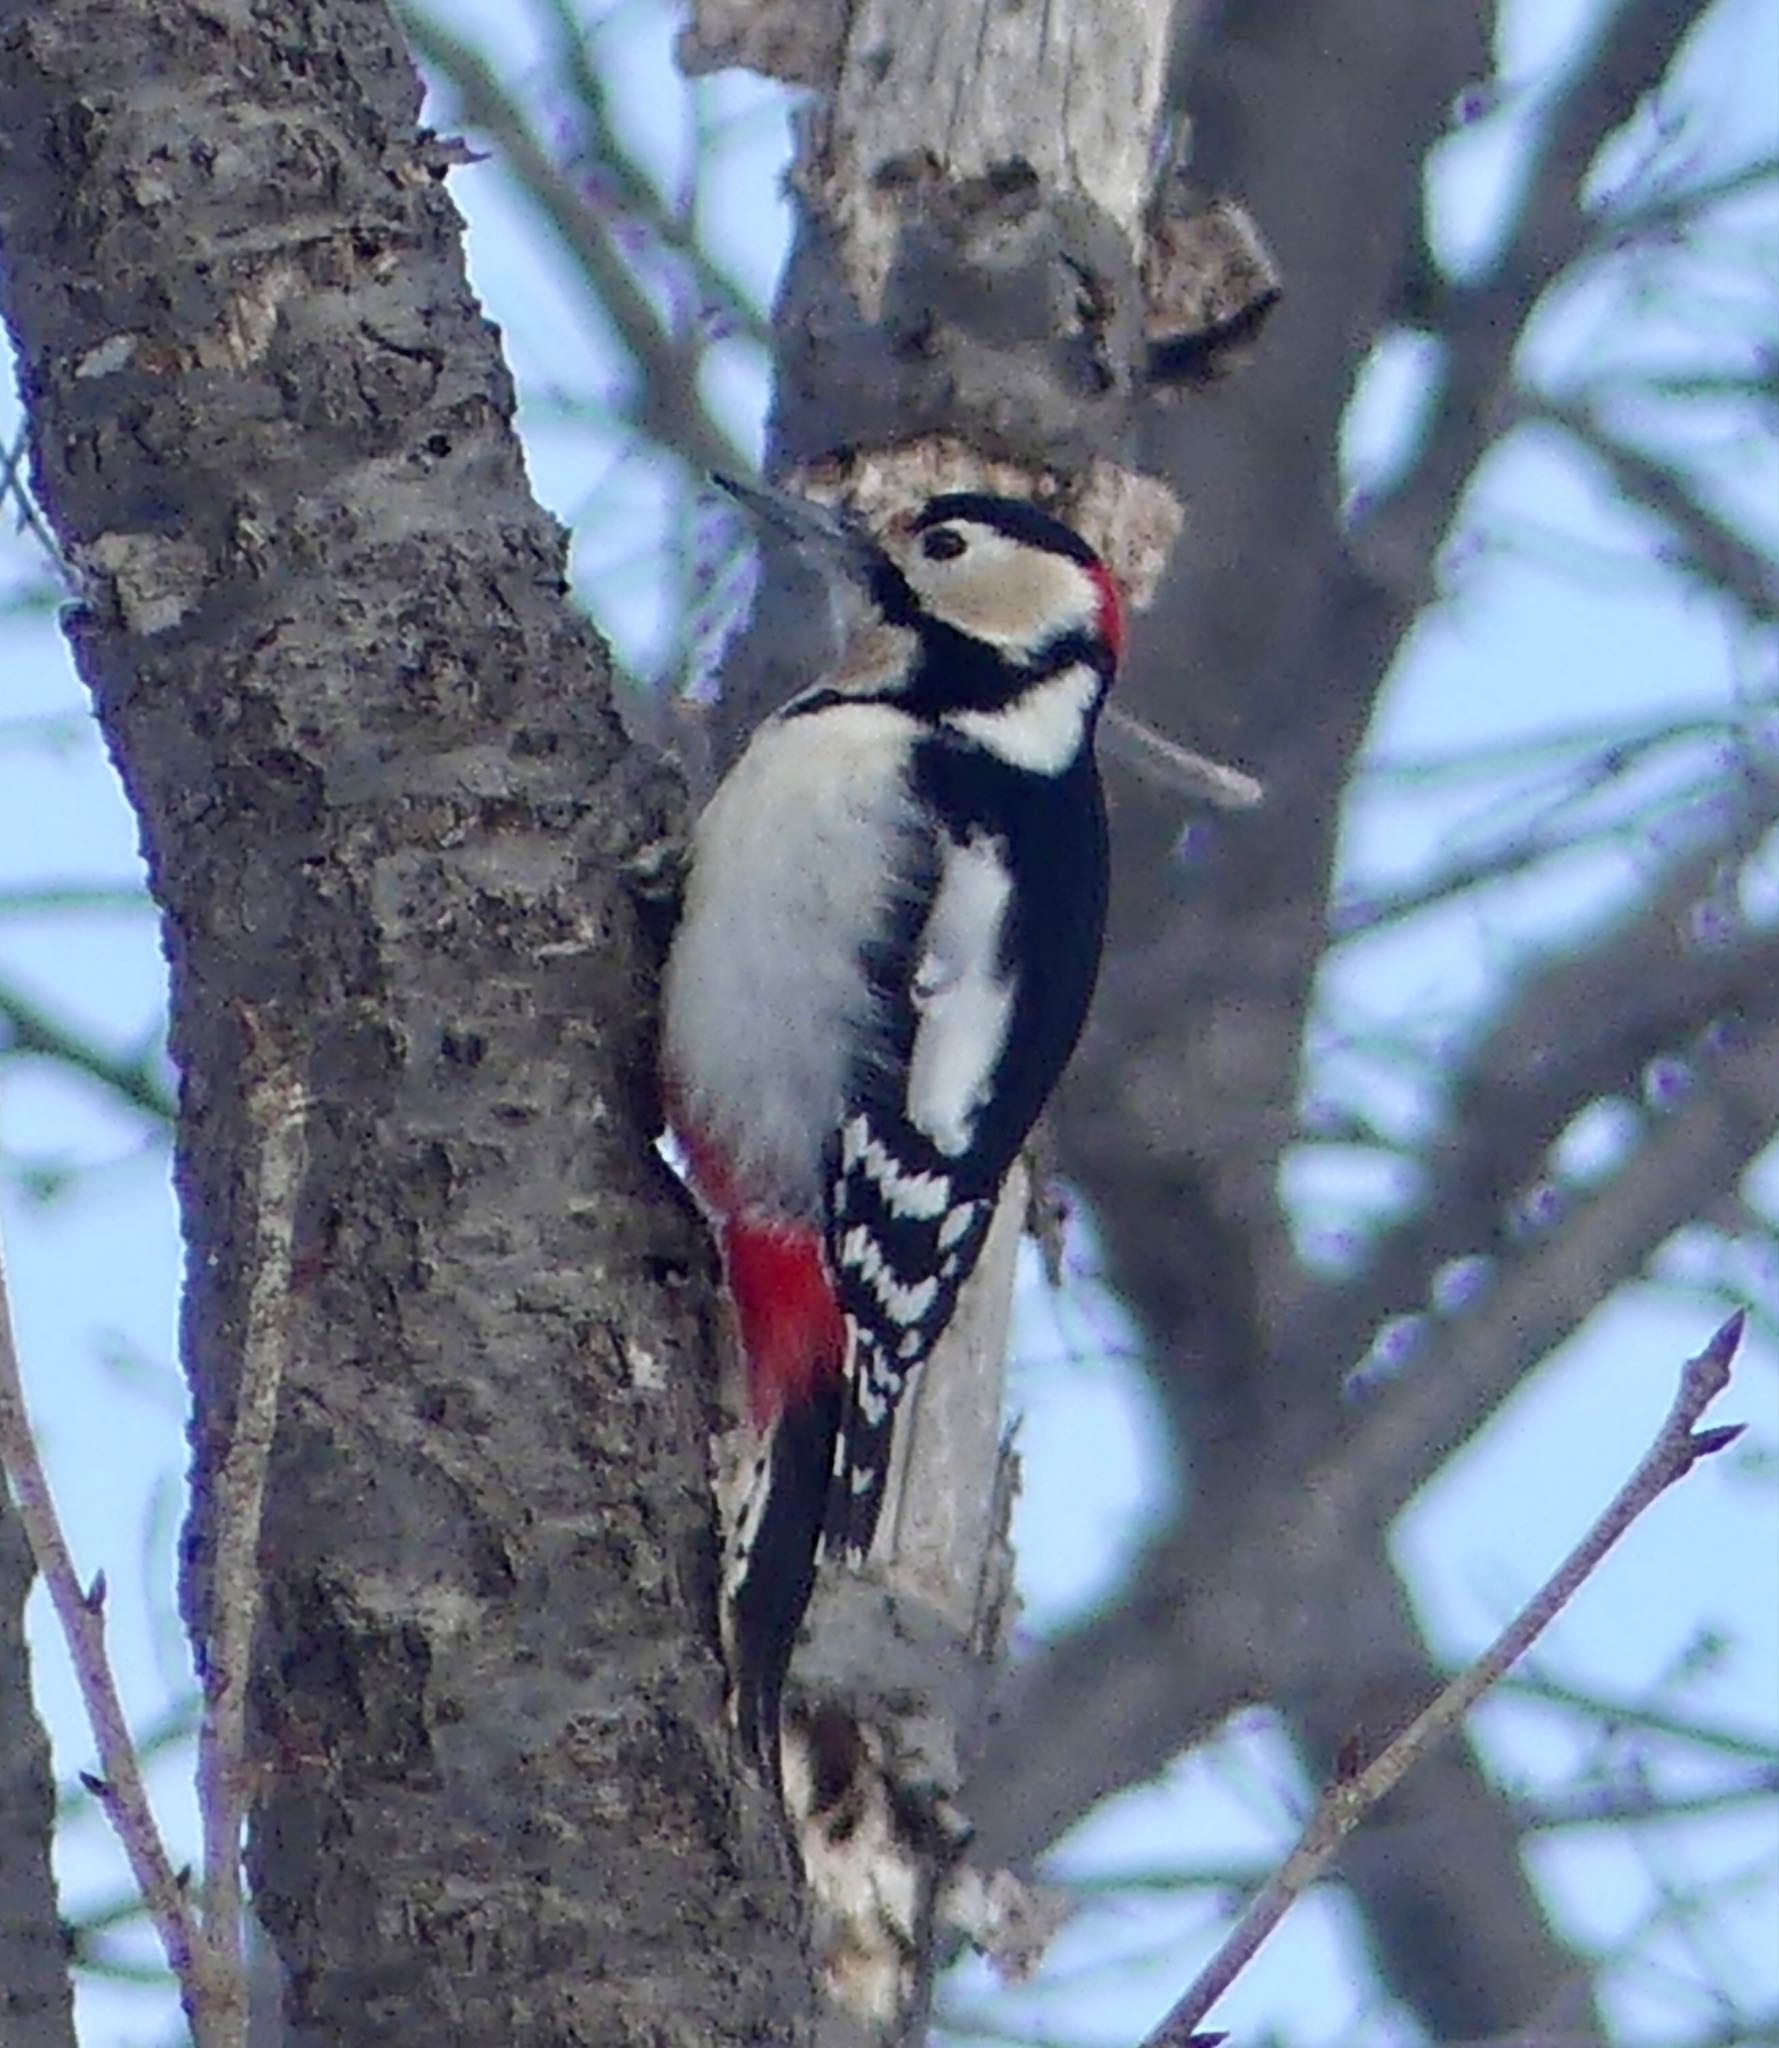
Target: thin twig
668,406
1481,321
56,899
277,1107
13,484
1707,545
27,1028
81,1613
1677,1448
635,191
1643,1717
1150,753
1618,1803
1679,206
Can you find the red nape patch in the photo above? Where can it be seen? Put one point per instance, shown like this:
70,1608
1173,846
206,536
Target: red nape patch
1111,609
791,1327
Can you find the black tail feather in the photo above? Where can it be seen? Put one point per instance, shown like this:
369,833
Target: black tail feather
861,1458
773,1591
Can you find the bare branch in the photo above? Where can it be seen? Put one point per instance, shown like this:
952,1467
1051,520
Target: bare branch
668,406
1578,792
13,485
1708,548
1662,211
277,1109
1629,1805
36,1999
1633,45
1583,1025
205,1954
1361,911
1648,1718
1147,752
56,899
1244,1627
1197,1634
1539,1300
81,1613
636,193
26,1027
1612,1804
1555,746
1678,1446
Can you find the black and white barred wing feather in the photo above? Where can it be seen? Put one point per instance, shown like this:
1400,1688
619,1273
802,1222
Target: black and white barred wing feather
914,1186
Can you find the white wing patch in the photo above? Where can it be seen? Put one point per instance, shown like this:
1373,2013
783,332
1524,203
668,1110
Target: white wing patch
958,1225
964,1003
1044,729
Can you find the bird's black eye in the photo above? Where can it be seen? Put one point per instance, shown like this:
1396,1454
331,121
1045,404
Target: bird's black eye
942,544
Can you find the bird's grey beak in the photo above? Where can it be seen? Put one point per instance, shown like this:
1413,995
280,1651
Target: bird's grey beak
834,542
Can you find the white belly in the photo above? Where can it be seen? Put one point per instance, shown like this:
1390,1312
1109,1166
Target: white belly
793,864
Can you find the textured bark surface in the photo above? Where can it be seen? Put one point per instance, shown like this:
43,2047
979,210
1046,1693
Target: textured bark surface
388,814
968,256
36,2010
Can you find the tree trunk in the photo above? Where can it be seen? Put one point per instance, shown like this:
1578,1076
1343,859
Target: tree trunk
392,822
36,2010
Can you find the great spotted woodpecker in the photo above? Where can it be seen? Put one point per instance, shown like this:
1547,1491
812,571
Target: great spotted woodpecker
891,931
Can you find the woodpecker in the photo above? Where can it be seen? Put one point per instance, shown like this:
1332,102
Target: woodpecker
891,931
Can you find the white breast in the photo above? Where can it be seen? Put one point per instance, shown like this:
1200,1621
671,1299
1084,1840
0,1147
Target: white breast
792,865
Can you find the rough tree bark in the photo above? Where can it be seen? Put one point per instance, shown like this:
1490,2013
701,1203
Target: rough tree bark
36,2009
391,822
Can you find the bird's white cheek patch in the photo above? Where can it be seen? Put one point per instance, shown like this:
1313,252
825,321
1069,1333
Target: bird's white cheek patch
1043,729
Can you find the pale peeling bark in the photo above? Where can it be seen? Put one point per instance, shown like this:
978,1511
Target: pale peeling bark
988,248
966,309
1068,93
941,1554
390,819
